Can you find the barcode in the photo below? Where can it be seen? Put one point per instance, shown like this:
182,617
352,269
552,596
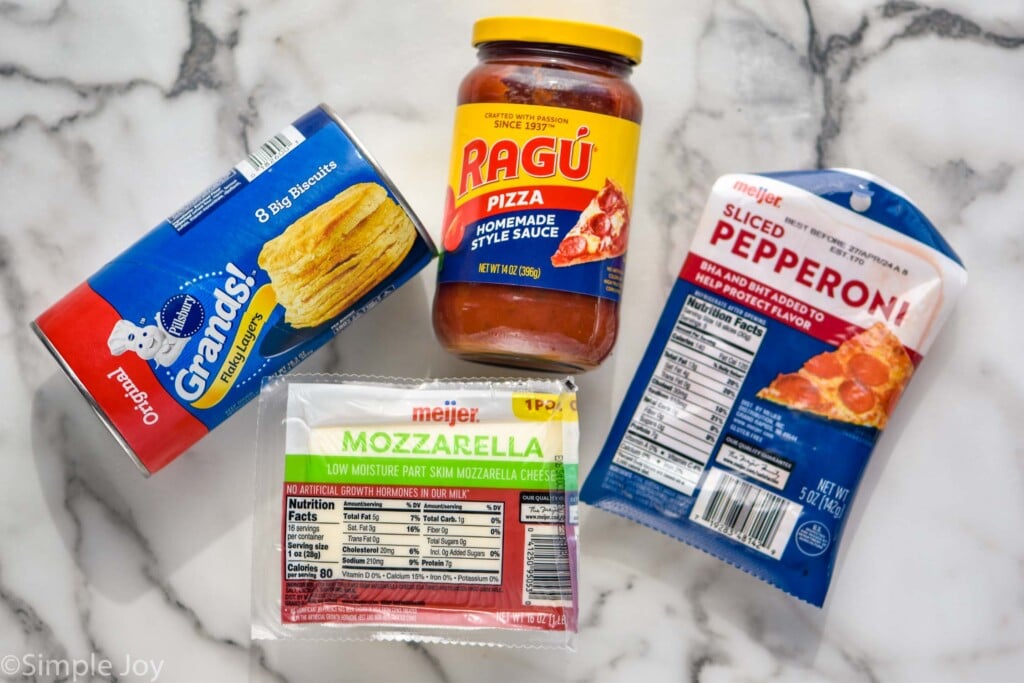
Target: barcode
755,517
546,566
264,156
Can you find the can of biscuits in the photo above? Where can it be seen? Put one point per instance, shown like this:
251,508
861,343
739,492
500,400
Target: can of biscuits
257,272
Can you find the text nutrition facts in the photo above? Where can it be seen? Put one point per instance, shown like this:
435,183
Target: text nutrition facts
671,436
384,539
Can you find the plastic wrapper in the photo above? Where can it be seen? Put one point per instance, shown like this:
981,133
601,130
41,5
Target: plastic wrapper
805,305
434,511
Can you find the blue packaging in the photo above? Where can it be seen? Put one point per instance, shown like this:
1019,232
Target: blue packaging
265,266
805,305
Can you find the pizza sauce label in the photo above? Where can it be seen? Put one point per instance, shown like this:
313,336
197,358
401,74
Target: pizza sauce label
539,197
806,303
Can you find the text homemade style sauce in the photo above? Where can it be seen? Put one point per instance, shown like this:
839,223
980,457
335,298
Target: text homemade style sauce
538,209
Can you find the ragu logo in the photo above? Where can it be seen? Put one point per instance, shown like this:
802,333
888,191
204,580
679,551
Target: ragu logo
540,157
449,414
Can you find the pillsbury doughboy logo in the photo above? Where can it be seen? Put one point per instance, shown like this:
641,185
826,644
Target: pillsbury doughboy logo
179,318
148,342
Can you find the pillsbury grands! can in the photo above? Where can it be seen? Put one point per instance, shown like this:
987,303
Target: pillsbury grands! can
248,279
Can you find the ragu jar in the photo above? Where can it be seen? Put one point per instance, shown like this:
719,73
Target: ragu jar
540,193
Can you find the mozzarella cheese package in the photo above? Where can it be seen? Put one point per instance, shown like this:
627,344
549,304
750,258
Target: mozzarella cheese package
435,511
806,303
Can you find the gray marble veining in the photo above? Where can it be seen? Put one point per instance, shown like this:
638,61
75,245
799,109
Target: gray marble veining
113,114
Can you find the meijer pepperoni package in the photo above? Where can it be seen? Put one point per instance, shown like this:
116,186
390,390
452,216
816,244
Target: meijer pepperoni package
435,510
805,305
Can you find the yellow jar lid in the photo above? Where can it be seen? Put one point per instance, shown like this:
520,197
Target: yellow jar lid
576,33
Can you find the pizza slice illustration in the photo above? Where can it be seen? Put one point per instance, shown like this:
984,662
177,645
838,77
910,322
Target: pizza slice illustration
859,383
601,231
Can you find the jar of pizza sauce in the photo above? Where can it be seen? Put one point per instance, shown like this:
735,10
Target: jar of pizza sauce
540,193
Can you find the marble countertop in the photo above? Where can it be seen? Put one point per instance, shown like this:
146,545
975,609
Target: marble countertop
113,114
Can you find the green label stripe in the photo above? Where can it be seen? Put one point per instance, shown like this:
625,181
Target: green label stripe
334,469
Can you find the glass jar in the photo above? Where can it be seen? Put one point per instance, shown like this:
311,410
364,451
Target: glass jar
540,188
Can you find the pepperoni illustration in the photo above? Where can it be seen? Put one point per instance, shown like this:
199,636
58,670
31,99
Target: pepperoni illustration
868,370
573,246
856,396
610,202
599,224
797,391
825,366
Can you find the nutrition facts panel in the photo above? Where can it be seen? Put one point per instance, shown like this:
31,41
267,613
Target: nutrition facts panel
692,390
384,539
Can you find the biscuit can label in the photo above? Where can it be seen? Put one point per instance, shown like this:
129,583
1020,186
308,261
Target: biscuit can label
539,197
262,268
806,302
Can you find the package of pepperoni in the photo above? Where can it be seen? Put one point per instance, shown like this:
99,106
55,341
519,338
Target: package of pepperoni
805,305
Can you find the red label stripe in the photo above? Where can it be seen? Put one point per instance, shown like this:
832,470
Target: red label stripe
771,303
124,387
